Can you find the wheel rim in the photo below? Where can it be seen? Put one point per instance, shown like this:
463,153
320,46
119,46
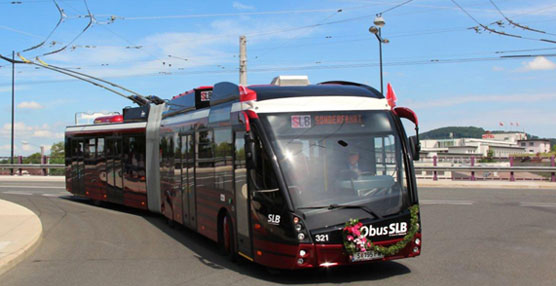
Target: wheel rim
226,227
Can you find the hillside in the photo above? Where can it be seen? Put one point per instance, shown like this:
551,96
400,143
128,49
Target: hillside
457,131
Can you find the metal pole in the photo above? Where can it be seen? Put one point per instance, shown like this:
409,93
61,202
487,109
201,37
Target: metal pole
380,56
242,61
13,110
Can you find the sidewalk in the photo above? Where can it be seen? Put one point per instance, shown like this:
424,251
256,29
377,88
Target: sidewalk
20,231
428,183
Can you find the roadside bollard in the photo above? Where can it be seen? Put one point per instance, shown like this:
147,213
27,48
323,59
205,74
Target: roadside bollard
20,161
43,161
472,164
553,179
512,178
434,176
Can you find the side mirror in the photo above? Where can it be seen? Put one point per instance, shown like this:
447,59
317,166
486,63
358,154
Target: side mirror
414,144
415,147
250,151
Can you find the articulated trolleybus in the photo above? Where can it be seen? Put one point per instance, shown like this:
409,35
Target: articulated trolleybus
288,175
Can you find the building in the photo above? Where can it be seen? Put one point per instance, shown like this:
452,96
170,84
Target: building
534,146
502,145
513,137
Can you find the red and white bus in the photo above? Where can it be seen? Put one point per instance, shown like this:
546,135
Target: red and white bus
288,176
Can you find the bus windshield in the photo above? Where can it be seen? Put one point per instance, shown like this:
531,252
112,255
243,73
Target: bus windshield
340,158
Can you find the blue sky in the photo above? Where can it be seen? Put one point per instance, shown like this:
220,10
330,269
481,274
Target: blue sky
448,73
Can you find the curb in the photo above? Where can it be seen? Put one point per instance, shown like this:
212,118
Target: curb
20,235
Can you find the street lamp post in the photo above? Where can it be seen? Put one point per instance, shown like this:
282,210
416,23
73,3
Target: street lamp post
376,30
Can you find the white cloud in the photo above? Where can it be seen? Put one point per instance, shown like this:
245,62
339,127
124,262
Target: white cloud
28,147
539,63
497,68
7,147
30,105
213,46
241,6
8,88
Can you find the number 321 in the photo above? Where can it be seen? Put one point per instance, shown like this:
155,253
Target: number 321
321,237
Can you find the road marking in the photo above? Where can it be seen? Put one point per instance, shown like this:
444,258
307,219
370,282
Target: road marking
31,187
55,195
18,193
446,202
541,205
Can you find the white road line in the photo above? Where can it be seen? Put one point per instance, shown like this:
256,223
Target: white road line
18,193
446,202
535,204
55,195
31,187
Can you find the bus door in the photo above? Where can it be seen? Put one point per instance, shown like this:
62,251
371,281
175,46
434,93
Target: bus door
114,169
77,166
188,179
241,195
112,157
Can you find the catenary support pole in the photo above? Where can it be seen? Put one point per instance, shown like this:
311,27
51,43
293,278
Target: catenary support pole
242,61
13,111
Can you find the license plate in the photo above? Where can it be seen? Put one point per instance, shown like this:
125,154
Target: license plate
365,256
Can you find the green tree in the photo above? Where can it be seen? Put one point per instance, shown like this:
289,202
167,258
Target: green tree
57,156
489,157
34,158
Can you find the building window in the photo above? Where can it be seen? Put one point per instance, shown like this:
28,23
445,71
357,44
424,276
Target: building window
523,144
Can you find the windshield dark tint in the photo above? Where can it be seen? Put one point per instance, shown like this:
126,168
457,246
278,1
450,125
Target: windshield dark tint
336,157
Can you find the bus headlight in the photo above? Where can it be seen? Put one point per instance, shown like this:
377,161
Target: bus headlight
298,227
301,236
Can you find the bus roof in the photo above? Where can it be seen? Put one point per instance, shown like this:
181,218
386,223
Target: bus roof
336,88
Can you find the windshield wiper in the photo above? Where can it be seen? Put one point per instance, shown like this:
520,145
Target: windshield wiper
337,206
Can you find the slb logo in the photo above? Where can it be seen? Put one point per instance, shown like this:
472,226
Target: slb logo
274,219
301,121
394,229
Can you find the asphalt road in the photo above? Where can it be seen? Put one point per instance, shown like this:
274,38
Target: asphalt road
470,237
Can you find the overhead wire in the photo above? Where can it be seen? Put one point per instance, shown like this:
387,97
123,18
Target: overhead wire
486,28
60,20
91,21
308,31
394,7
517,24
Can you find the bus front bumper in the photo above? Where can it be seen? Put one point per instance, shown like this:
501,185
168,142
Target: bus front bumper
328,255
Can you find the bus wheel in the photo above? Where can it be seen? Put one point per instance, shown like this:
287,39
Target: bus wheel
227,243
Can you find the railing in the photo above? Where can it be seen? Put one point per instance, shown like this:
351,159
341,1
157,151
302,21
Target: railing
435,170
21,167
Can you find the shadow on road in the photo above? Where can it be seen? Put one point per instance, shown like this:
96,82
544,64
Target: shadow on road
207,253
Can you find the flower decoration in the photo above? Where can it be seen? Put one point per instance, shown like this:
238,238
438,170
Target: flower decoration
354,242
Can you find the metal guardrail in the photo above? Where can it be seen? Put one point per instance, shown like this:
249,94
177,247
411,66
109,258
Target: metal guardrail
490,169
32,166
512,170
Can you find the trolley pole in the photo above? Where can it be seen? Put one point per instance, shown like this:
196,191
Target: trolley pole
13,110
242,61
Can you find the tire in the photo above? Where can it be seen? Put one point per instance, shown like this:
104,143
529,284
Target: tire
227,241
